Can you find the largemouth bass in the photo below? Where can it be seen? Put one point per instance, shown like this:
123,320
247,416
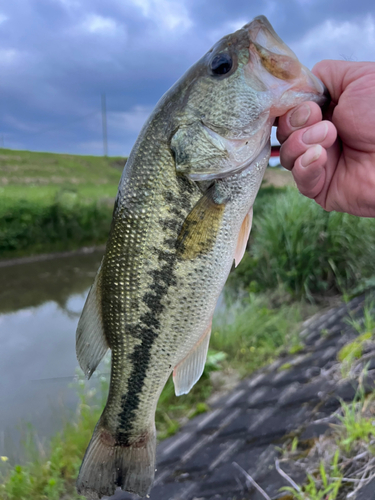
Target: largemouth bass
182,215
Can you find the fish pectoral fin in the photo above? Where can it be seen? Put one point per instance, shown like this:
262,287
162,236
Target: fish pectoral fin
200,228
189,370
243,237
91,344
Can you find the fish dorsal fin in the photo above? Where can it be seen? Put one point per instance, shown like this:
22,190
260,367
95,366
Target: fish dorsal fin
189,370
243,237
200,228
91,344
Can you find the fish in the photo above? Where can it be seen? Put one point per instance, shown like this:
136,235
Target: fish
182,215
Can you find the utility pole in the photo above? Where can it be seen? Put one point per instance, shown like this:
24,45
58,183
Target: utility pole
104,125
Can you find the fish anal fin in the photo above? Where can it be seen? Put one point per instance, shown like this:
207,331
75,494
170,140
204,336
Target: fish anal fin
200,228
91,343
189,370
243,237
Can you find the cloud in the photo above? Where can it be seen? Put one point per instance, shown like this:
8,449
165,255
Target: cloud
99,24
129,121
351,40
9,56
165,13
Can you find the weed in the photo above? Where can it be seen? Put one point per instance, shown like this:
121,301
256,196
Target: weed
285,366
352,351
322,486
296,349
310,251
252,332
294,445
354,426
365,327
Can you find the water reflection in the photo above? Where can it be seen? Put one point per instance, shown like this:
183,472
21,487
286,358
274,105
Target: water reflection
40,304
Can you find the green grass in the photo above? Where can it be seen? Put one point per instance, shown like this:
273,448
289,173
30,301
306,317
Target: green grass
353,350
354,426
324,485
310,252
253,332
352,439
51,202
26,168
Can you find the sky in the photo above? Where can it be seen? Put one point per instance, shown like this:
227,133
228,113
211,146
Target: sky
57,58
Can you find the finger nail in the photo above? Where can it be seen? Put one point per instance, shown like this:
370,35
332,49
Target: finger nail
311,155
300,116
316,133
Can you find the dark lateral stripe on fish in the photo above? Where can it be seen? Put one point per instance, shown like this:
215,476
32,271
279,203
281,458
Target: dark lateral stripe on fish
149,324
148,332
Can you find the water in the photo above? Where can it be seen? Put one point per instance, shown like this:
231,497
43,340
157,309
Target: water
40,304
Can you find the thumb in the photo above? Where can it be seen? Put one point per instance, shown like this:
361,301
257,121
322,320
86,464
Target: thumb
335,75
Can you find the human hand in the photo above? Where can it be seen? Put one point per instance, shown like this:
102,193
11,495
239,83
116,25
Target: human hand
333,160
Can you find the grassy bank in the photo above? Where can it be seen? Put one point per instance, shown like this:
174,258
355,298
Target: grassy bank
52,202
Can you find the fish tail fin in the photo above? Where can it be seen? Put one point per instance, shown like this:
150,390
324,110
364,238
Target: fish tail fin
108,465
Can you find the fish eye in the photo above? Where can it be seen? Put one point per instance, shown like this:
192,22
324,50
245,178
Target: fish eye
221,64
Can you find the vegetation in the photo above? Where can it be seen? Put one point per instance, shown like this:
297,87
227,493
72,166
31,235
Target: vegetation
51,202
352,351
253,331
340,463
298,254
320,486
310,252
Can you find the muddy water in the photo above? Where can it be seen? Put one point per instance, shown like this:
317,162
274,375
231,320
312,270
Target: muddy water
40,304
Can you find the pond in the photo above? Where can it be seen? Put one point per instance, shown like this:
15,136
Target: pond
40,304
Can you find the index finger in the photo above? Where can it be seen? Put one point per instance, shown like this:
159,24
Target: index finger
303,115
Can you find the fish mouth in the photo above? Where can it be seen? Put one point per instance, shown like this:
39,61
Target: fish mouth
273,64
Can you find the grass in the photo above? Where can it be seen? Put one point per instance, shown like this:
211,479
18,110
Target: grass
26,168
320,486
365,328
254,332
339,464
342,462
312,253
52,202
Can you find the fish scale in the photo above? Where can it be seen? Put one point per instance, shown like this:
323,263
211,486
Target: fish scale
182,215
